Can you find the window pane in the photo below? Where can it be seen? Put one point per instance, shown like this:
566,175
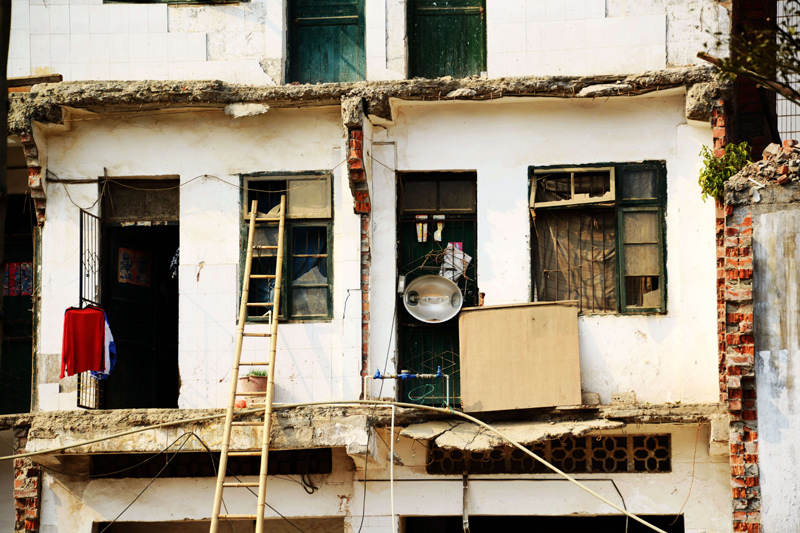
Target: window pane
309,301
641,260
553,187
641,183
640,227
265,236
593,184
575,258
261,290
266,192
419,195
310,260
309,198
642,291
457,195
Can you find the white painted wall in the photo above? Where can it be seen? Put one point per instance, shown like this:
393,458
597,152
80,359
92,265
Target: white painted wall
7,514
73,504
665,358
776,250
246,42
317,361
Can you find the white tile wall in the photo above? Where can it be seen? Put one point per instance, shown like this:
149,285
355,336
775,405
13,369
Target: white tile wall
571,37
525,37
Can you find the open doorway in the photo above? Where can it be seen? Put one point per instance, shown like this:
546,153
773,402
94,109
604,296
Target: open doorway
139,293
141,303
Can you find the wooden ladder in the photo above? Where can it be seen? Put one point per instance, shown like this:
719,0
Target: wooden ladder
240,335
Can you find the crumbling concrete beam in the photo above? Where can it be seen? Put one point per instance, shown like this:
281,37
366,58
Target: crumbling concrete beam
45,102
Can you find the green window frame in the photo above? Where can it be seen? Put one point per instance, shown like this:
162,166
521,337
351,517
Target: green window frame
308,244
326,41
446,38
618,229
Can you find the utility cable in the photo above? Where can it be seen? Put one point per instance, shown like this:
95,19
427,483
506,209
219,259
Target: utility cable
356,403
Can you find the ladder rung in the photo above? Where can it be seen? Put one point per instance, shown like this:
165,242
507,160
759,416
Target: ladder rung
268,219
262,276
259,304
264,247
238,516
244,454
247,423
254,363
262,393
246,334
239,485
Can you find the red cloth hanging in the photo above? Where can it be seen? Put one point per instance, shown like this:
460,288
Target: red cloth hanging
83,346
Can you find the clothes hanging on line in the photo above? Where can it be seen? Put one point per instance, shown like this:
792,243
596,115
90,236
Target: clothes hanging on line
110,353
84,346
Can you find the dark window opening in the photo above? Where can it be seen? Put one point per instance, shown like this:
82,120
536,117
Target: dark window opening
548,524
199,464
18,290
574,455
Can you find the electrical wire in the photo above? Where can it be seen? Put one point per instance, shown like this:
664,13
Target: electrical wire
369,419
188,435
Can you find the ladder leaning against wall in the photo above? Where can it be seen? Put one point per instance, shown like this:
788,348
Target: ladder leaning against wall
225,452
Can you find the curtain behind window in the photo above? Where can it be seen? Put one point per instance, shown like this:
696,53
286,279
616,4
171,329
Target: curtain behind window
574,257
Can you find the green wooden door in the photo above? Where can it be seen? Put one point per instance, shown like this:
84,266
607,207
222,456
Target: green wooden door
446,38
326,41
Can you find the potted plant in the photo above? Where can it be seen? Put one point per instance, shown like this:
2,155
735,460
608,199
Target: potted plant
254,381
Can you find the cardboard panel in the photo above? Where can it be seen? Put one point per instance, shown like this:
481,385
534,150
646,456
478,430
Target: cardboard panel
519,356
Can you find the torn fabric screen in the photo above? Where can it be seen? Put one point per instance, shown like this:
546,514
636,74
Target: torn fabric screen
574,257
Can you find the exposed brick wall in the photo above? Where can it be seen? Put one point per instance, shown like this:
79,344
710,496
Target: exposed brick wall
27,487
357,172
737,360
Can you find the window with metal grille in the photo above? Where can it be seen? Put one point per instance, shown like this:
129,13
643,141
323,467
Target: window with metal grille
598,236
788,112
577,455
307,265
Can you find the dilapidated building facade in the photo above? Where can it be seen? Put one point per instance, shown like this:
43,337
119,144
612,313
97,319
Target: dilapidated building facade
554,143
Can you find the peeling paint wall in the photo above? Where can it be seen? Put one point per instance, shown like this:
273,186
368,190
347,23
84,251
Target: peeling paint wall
317,361
776,247
246,42
665,358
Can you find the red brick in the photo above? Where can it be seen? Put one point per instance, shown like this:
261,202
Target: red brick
749,415
357,134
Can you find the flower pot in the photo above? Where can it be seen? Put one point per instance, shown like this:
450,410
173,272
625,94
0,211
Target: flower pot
252,384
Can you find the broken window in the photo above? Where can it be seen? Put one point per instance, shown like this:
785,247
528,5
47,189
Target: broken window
598,237
307,260
446,38
326,41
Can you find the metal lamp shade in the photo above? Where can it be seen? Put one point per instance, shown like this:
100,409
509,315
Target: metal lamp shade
432,299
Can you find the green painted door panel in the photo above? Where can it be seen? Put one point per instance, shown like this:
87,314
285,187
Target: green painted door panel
446,38
326,41
425,347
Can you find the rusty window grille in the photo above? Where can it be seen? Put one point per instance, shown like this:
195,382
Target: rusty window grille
788,112
91,390
576,455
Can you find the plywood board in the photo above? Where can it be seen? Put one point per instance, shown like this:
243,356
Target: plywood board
519,356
